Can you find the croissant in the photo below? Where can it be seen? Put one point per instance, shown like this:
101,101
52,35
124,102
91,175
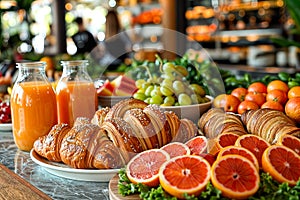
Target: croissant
123,137
269,124
48,145
216,121
100,115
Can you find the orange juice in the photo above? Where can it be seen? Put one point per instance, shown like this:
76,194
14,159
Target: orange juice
75,99
33,112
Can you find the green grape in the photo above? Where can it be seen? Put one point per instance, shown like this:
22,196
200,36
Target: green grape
156,91
169,76
184,99
139,96
149,90
147,100
141,91
178,87
139,83
146,85
182,70
166,91
169,100
195,98
168,67
167,83
197,89
156,100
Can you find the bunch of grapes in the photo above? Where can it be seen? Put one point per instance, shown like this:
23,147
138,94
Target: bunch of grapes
5,111
170,89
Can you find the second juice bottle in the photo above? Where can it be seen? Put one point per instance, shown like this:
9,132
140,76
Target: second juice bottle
75,92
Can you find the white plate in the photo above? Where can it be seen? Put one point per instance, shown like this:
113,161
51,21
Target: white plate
5,127
62,170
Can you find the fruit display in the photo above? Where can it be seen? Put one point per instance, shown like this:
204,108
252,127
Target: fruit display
120,86
169,85
280,93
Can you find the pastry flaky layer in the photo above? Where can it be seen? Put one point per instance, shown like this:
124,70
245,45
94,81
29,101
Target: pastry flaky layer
114,135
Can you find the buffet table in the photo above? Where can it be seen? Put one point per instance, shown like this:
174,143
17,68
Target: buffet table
53,186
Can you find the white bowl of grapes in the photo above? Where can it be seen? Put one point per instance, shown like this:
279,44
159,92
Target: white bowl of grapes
173,91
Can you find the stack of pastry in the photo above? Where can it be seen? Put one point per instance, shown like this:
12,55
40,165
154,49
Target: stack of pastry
216,121
114,135
269,124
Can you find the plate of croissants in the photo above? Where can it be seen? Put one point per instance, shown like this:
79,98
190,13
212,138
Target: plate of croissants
62,170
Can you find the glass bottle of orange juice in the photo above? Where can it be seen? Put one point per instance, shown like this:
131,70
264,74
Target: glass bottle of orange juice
33,104
75,92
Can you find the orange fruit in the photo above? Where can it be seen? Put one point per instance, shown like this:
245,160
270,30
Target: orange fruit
273,105
228,102
240,93
291,142
258,98
197,145
278,85
292,109
257,87
176,149
253,143
278,96
294,92
247,105
236,176
184,174
221,141
282,164
144,167
235,150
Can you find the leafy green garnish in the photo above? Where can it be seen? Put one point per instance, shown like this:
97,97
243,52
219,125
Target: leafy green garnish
269,189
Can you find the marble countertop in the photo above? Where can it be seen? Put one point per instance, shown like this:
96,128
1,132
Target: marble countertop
55,187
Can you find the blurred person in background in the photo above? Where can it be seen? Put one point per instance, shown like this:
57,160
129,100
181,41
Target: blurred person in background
116,47
83,39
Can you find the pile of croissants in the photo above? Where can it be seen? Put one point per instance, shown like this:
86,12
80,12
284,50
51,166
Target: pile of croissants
114,135
266,123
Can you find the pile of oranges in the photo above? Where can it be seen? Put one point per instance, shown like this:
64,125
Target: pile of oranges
275,95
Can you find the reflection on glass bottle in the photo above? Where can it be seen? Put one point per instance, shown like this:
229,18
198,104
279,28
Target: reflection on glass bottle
75,92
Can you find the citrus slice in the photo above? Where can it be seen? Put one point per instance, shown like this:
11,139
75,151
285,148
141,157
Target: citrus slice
230,150
236,176
282,164
144,167
176,149
291,142
221,141
253,143
184,174
197,145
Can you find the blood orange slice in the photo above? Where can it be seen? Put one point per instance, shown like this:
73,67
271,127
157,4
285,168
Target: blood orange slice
253,143
176,149
144,167
230,150
282,164
221,141
197,145
236,176
184,174
291,142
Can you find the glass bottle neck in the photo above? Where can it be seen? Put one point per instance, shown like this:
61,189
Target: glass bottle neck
75,70
31,71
